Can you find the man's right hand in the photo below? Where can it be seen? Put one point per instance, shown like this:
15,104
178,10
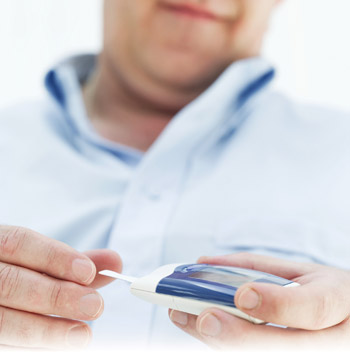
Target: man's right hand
41,277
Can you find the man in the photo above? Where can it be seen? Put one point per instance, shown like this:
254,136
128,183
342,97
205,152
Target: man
167,147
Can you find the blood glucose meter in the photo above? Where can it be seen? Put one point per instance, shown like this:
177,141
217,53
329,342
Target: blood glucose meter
195,287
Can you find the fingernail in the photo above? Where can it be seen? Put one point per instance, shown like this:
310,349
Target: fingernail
209,326
83,270
179,317
78,337
91,305
249,299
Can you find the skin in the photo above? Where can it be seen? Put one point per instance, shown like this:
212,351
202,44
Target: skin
156,60
316,313
40,276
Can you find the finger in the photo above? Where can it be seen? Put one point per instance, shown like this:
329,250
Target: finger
27,290
309,306
277,267
104,260
219,329
23,329
26,248
184,321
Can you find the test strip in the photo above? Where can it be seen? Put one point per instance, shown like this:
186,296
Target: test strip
117,276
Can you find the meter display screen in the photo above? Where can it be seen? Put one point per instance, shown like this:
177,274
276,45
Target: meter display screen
233,277
230,278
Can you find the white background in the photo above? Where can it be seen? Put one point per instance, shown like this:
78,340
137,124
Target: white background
308,42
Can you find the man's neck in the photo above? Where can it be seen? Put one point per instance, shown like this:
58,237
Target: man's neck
127,116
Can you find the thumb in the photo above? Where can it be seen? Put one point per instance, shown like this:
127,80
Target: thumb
104,259
308,307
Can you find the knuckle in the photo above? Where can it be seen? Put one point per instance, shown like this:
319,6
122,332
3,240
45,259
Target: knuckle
25,335
241,335
56,297
12,240
243,340
9,281
53,256
49,331
280,307
322,310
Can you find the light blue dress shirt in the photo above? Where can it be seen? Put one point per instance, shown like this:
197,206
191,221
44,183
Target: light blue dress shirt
241,168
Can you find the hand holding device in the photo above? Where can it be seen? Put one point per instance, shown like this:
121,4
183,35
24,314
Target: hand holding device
317,311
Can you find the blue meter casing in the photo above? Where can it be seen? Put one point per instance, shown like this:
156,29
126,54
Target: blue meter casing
213,284
192,288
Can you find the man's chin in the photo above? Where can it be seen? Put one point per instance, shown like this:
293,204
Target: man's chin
185,70
183,78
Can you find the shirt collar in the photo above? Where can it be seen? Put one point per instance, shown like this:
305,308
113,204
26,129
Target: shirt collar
63,83
233,89
216,113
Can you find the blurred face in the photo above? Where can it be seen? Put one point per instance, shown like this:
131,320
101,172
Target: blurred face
182,43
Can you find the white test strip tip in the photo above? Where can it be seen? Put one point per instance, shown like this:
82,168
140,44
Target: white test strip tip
117,275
